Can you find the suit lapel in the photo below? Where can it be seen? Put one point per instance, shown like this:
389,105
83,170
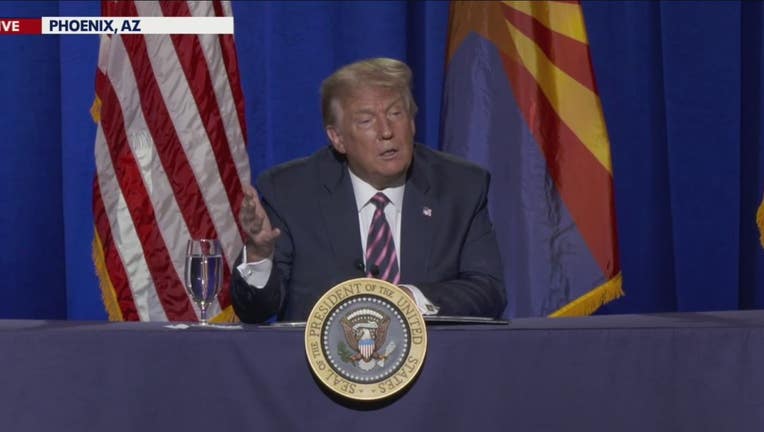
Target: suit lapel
340,217
420,212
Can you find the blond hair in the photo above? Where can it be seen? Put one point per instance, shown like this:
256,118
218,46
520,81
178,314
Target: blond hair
375,72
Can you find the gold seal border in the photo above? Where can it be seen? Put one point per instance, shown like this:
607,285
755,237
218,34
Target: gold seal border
365,287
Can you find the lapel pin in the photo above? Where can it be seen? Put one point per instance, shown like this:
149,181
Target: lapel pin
427,211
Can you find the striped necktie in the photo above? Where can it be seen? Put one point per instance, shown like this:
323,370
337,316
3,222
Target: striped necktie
381,259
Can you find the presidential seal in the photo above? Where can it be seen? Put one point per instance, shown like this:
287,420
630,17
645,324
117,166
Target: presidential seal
365,339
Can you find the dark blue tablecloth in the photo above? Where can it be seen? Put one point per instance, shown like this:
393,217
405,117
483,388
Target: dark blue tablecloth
673,372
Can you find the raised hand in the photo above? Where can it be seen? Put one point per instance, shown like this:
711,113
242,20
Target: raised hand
260,235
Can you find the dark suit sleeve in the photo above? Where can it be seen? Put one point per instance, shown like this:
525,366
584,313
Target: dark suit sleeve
478,287
256,305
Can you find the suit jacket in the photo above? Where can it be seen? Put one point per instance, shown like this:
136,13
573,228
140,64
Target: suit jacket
448,246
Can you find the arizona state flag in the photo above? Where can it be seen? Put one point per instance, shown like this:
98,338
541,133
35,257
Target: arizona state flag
520,99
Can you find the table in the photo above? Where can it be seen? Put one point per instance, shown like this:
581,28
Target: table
665,372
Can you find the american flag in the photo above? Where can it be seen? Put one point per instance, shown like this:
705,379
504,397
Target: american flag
171,159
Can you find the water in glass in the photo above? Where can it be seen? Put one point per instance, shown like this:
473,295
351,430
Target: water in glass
204,265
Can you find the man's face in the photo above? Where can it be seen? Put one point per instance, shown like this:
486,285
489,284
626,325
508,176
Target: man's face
375,131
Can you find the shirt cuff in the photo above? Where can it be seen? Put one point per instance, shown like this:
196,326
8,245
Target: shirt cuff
256,273
423,303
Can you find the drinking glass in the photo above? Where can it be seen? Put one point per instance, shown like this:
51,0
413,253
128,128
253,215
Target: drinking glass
203,273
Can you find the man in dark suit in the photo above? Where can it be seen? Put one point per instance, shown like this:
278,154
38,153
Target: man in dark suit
372,204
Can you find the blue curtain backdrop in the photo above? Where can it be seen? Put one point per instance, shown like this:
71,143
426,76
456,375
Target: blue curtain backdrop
680,84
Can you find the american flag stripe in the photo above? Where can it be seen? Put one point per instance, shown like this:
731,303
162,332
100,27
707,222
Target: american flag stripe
199,148
207,118
179,157
140,243
141,147
123,306
219,117
230,62
187,137
225,96
157,107
193,138
190,51
132,75
159,248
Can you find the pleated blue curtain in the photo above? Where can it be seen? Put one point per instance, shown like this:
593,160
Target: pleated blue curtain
680,84
32,282
287,48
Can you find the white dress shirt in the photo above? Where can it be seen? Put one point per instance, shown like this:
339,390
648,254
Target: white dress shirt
257,273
